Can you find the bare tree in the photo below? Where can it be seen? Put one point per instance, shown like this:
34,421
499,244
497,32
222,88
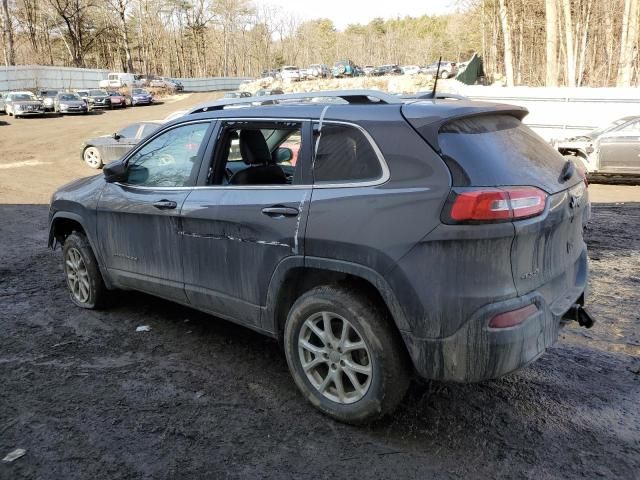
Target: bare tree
551,10
7,35
508,49
569,44
121,7
628,43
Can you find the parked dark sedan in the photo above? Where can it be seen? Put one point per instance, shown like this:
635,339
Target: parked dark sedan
614,148
140,96
98,151
95,98
386,70
69,102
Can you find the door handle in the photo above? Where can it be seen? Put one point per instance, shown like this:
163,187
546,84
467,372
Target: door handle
280,211
165,205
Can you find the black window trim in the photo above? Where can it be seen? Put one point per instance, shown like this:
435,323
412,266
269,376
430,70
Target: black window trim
385,174
214,130
212,123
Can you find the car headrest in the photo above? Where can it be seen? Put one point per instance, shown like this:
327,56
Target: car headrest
254,148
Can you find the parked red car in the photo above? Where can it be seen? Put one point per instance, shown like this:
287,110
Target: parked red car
117,99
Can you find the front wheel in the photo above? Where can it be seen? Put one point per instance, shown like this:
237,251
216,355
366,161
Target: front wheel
92,157
344,355
85,283
444,74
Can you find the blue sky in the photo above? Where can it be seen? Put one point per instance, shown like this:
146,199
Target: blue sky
344,12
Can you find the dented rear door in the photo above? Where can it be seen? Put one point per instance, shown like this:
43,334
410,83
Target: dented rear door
234,237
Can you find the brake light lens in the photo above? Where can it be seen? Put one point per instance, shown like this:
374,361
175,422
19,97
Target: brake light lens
497,204
514,317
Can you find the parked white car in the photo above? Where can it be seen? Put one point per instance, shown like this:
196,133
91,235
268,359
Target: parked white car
3,107
290,72
410,69
119,80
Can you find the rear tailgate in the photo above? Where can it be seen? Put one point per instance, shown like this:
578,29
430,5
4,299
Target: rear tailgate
494,149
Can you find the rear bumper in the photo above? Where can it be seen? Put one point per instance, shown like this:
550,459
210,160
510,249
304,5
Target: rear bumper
477,352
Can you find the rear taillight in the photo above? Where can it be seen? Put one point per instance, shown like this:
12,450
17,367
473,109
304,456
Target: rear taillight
495,204
513,318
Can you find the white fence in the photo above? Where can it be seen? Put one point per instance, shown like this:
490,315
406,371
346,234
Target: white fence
561,112
35,77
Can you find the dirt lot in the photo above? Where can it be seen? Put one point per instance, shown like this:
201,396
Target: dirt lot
197,397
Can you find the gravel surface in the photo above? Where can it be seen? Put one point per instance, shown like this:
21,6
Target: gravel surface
88,397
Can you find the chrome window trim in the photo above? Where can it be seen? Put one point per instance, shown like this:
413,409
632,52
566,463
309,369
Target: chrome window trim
384,178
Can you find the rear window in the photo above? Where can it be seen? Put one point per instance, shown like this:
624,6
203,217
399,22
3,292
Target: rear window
492,150
345,155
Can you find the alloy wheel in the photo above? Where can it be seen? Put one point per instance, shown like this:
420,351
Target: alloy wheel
335,358
92,157
77,276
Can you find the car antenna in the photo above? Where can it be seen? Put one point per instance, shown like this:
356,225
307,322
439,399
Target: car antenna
435,82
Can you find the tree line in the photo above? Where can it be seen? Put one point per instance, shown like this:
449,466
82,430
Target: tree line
522,42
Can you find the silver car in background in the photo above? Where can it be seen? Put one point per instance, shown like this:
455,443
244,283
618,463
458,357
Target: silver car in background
47,97
21,104
69,102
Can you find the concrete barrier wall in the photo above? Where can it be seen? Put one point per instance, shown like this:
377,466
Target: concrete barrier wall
211,84
562,112
35,77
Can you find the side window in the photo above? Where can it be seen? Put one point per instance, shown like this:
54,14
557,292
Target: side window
130,131
344,155
169,160
148,129
631,129
257,153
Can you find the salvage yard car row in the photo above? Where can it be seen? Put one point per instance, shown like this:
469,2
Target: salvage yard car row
25,103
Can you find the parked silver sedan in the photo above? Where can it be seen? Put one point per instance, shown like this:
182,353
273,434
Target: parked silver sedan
21,104
69,102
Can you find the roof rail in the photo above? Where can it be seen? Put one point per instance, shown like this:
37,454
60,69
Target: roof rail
429,96
350,96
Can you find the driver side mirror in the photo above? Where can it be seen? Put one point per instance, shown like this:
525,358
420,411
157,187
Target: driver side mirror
283,154
116,136
115,171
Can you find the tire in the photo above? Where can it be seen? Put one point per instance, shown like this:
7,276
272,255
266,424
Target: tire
79,263
92,157
444,74
380,365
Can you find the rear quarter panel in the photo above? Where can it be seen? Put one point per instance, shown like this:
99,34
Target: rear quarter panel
375,226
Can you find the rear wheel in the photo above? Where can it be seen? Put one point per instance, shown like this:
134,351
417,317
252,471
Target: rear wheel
344,355
92,157
85,283
444,74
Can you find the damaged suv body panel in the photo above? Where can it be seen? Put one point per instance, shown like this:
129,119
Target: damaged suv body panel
613,149
379,192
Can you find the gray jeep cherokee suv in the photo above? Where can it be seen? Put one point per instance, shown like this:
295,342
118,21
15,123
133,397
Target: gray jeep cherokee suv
376,238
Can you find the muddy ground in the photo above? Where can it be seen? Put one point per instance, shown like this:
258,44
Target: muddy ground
198,397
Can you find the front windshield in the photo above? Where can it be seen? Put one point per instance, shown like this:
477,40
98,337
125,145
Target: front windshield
69,97
599,131
96,93
139,91
23,97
